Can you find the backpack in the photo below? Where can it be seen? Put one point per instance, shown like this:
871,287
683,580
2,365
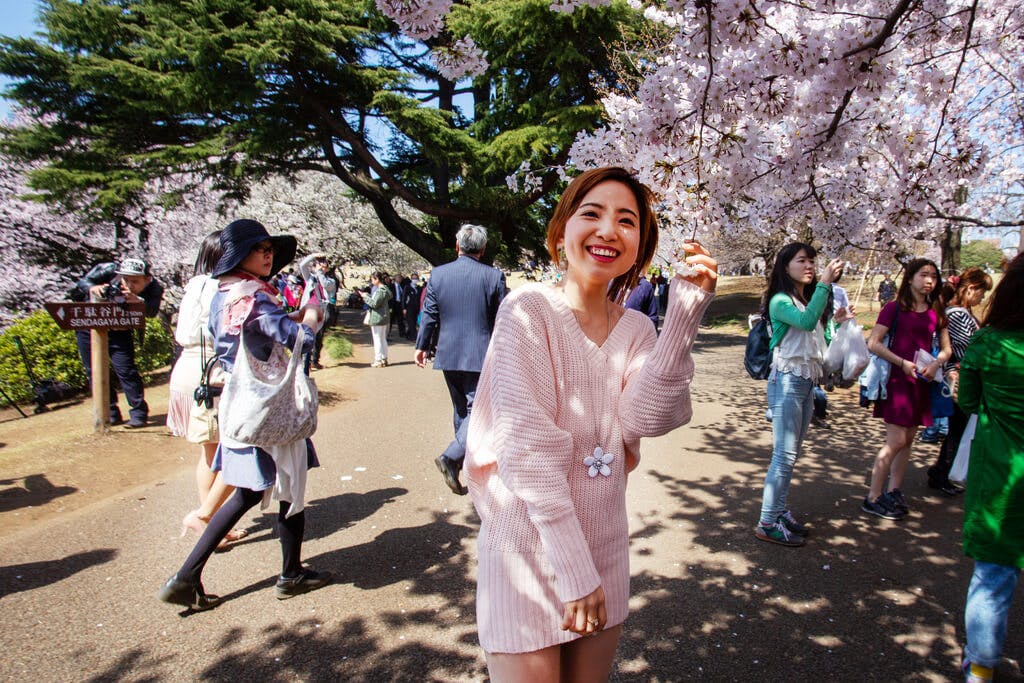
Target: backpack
757,358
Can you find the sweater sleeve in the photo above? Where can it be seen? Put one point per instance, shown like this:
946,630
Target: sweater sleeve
782,309
656,394
533,454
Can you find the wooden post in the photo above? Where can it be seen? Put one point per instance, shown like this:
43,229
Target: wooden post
860,288
100,381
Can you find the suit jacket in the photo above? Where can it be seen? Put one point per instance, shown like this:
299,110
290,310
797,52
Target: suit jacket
411,298
462,301
643,299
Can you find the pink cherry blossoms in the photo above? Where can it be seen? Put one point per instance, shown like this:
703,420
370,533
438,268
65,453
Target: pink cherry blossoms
461,59
865,121
853,119
424,20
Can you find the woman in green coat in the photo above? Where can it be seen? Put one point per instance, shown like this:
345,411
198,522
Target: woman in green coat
378,317
991,378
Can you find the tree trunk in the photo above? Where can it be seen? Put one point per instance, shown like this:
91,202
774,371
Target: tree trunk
950,246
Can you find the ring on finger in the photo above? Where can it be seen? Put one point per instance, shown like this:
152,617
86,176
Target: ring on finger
593,622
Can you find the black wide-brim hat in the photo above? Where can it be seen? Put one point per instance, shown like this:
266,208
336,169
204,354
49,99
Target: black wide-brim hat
238,239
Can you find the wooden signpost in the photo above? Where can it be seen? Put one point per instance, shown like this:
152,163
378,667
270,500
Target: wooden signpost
99,318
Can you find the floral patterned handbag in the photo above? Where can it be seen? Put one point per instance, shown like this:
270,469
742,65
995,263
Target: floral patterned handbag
268,404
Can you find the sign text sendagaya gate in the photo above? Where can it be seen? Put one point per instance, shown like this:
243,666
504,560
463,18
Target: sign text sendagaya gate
99,318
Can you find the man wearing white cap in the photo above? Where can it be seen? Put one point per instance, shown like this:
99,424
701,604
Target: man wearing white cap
130,282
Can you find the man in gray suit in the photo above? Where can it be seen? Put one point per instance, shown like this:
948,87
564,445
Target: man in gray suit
461,303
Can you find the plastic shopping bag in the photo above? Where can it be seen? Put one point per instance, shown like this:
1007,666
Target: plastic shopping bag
857,356
958,472
836,353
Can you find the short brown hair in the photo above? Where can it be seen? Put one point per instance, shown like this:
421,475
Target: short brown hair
648,222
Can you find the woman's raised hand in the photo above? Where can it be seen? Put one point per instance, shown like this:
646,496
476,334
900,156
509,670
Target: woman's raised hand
586,615
832,271
704,268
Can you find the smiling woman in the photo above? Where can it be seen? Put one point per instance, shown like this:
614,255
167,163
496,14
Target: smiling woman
549,446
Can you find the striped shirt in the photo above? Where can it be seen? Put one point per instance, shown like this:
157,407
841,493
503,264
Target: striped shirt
961,327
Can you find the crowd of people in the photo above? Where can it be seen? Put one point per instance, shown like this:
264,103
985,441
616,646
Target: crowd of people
934,348
554,384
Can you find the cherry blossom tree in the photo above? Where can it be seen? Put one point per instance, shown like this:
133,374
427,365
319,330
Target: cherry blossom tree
863,122
338,224
45,248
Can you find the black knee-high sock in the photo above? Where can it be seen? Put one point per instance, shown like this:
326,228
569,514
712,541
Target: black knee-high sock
291,530
220,524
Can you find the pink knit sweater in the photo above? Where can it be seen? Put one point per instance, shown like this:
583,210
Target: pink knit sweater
553,527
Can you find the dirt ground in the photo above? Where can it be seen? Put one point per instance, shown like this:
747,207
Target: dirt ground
89,530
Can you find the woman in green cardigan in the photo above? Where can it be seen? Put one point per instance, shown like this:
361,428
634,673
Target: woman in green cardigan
378,317
991,379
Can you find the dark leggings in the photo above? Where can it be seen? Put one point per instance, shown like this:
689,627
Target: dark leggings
938,474
291,530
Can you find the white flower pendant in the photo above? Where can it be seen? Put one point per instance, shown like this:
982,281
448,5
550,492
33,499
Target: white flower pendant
598,462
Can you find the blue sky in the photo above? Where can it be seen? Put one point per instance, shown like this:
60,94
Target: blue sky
17,18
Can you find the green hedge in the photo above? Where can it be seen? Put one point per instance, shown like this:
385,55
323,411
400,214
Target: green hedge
54,354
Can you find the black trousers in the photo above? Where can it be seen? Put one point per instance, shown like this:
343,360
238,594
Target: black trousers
291,530
121,349
462,389
411,315
938,473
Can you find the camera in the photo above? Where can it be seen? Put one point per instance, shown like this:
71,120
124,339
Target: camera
204,394
113,294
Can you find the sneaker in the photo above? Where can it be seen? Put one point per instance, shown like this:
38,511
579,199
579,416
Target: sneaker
928,438
794,527
136,423
308,580
974,673
881,507
898,501
778,533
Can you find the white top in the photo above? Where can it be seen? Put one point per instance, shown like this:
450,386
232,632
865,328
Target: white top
800,352
840,299
194,313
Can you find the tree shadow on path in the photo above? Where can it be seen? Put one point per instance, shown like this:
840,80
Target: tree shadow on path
34,490
865,599
23,577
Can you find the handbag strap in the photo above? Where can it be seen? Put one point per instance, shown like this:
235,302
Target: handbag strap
892,330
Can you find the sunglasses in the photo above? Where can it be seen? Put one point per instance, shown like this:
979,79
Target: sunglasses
264,248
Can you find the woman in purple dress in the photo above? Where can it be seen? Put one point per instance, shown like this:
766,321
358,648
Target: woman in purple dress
915,318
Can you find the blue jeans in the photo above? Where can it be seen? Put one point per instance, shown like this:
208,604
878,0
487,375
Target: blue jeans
791,402
988,602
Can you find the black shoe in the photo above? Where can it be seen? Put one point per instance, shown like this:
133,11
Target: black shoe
116,420
950,489
450,471
308,580
898,502
881,507
136,423
179,592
